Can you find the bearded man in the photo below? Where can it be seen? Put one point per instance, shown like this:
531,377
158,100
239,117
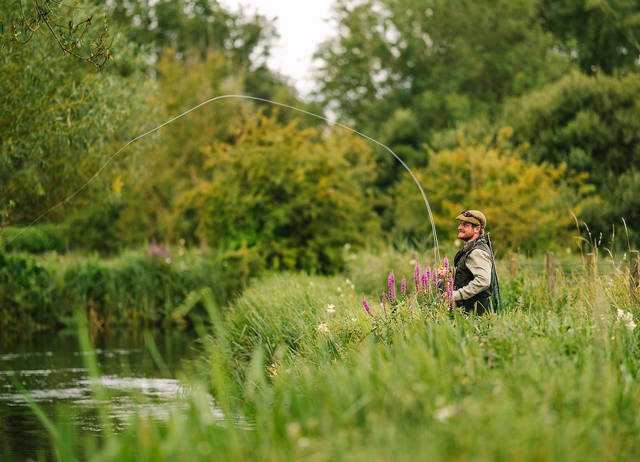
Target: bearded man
475,282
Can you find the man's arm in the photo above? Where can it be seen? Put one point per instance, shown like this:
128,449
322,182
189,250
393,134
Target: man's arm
479,263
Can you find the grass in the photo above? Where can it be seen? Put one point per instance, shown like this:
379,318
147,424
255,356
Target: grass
130,289
555,377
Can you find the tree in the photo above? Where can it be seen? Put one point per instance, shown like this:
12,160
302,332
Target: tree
600,35
72,27
58,124
591,124
403,70
528,205
292,196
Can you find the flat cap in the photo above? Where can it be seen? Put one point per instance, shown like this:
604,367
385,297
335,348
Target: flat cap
475,217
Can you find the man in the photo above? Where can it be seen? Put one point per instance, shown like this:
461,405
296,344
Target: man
475,282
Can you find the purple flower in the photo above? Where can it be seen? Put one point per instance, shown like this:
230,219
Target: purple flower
403,287
425,278
366,306
450,293
392,288
155,250
384,298
416,276
446,264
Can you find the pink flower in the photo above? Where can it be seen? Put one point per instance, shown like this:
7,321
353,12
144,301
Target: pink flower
403,287
392,288
366,306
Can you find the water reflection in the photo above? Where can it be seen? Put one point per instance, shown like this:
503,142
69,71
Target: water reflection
51,367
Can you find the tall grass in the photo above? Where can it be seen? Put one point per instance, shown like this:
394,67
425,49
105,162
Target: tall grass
555,377
131,289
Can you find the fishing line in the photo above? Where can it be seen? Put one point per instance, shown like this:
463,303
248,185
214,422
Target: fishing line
68,199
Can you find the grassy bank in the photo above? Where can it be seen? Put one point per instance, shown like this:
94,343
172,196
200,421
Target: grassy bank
303,372
133,288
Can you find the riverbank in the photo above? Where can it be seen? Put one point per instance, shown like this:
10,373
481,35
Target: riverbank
301,370
132,289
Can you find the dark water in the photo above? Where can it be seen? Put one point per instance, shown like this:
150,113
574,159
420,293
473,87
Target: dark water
52,368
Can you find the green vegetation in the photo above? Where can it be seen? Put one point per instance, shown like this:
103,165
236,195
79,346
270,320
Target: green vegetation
132,289
525,109
300,370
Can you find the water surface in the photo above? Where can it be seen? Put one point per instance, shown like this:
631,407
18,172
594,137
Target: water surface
51,367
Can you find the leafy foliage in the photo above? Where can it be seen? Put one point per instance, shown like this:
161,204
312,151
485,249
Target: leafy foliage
58,124
592,124
600,35
405,69
527,205
294,195
70,27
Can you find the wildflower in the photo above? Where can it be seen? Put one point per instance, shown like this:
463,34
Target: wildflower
366,307
322,327
403,287
626,318
446,265
331,308
416,276
425,278
450,293
384,298
392,287
445,413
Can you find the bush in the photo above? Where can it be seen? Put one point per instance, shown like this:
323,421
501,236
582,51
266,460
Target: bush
528,206
293,196
36,239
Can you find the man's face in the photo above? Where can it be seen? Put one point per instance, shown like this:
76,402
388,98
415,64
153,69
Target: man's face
467,231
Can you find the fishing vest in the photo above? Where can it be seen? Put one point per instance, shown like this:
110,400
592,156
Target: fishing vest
463,276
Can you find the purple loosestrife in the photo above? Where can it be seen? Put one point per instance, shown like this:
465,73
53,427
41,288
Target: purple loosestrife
392,288
384,298
416,277
425,279
446,265
450,293
403,287
366,306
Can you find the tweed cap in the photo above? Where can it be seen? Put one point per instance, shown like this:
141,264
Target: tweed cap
475,217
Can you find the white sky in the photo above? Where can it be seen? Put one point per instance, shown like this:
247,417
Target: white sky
302,25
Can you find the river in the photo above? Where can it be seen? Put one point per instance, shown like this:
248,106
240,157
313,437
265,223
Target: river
51,367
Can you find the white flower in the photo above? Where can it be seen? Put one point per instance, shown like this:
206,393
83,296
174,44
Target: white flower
626,318
331,308
322,327
445,413
354,319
